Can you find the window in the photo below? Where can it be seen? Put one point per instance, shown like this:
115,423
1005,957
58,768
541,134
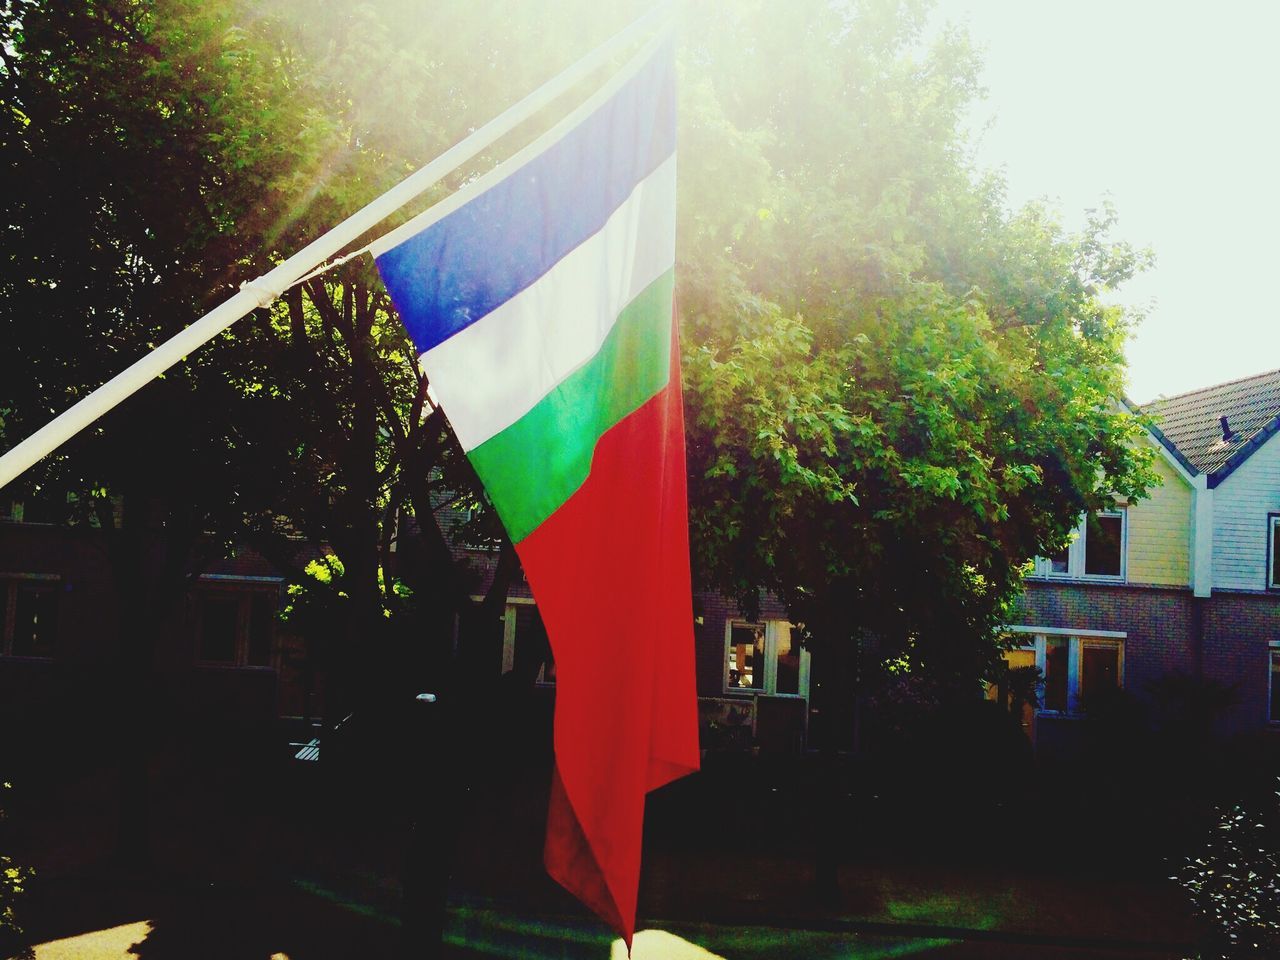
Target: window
36,508
477,530
1076,668
526,651
30,609
234,626
1097,551
1273,683
1273,551
745,657
1020,692
1099,669
764,658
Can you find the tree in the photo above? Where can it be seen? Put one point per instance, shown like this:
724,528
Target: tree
908,392
897,391
124,123
169,150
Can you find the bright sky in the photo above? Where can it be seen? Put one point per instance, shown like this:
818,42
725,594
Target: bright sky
1172,109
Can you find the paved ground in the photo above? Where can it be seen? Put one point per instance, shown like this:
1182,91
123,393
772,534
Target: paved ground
242,873
695,908
127,923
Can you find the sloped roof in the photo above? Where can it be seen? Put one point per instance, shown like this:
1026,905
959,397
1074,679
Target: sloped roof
1190,424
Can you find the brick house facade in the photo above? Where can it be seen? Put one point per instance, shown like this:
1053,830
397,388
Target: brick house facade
1192,589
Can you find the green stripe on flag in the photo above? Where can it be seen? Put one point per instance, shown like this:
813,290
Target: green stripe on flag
536,464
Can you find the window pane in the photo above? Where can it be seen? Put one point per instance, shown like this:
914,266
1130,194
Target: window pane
1102,545
533,650
1274,714
261,618
1099,669
788,661
1017,659
1058,562
35,620
218,627
1055,673
1275,551
43,506
746,657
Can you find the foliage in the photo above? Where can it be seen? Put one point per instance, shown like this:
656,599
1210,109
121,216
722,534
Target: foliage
897,391
13,883
1234,883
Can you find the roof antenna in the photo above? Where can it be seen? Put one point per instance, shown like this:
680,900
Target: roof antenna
1227,433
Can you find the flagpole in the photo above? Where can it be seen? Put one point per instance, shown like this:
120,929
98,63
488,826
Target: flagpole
266,289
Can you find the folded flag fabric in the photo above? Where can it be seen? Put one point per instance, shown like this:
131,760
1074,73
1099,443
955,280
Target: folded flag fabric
541,299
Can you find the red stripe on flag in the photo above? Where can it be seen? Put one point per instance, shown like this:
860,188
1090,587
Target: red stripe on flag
610,571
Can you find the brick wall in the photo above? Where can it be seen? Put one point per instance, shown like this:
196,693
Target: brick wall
1158,623
1238,630
1230,645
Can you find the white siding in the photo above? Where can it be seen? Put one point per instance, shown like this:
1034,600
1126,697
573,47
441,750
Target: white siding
1240,507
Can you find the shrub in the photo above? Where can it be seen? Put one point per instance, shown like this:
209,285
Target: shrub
13,883
1234,884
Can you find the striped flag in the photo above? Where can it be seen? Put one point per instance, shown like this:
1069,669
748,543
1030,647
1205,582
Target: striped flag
541,299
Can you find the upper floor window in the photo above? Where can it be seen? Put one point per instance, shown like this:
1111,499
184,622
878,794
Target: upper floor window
234,626
1096,552
34,509
1273,551
476,531
51,508
30,609
765,658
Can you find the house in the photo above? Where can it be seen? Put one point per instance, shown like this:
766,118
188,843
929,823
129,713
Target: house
1184,580
222,657
753,678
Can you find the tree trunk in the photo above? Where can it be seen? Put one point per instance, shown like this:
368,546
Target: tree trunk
453,728
149,555
837,702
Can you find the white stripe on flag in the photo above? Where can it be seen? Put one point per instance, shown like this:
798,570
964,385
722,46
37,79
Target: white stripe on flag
496,370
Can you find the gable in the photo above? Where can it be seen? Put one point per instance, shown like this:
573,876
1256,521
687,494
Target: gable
1160,527
1193,425
1241,505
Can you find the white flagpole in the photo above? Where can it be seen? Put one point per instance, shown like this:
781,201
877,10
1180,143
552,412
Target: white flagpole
267,288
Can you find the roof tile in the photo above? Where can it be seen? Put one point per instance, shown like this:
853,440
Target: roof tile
1192,421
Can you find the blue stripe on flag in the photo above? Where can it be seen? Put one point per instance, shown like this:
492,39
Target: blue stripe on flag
479,256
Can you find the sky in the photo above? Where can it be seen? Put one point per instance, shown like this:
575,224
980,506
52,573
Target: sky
1172,110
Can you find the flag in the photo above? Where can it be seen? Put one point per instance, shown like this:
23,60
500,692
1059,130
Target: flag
541,298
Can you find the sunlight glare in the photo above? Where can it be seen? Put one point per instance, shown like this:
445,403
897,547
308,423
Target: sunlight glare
660,945
110,944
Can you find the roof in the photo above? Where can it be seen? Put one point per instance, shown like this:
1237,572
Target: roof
1190,425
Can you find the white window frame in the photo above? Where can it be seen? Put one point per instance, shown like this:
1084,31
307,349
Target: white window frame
1077,640
242,590
1076,553
772,630
1273,654
9,586
509,637
1273,534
